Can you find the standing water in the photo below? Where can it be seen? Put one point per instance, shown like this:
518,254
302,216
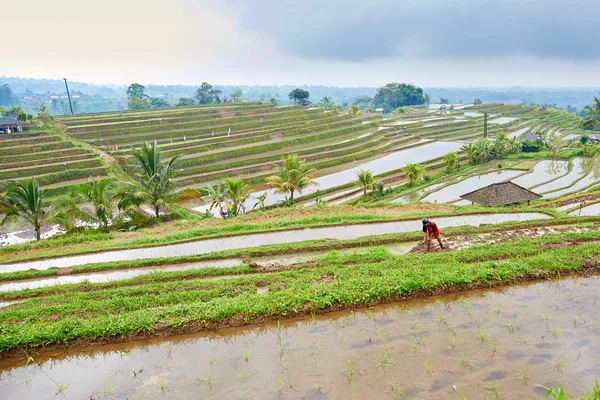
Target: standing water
344,232
507,343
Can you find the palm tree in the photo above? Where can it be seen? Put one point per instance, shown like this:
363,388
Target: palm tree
413,172
364,179
482,150
156,186
469,150
514,145
25,201
592,115
499,147
16,110
354,110
290,177
99,194
235,190
451,161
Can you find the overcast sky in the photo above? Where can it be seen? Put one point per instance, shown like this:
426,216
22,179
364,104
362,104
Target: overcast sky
461,43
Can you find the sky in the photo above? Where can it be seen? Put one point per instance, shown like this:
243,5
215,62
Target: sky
431,43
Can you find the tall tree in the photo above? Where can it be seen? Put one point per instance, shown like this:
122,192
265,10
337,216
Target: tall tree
291,177
592,115
157,102
444,100
365,180
136,90
483,151
205,94
155,186
394,95
236,96
354,110
25,201
451,161
469,150
6,95
413,172
185,102
298,95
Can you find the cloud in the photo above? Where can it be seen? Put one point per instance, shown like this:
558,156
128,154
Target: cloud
367,30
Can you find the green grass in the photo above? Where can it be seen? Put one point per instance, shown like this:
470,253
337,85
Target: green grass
119,312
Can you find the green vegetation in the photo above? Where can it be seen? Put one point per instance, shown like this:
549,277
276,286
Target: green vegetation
394,95
292,176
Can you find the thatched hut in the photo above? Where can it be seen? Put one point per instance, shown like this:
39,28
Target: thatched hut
501,194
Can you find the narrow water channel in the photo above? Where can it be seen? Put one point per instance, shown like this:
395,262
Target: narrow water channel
260,239
511,342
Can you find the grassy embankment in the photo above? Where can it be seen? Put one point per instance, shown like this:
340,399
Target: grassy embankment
173,302
259,221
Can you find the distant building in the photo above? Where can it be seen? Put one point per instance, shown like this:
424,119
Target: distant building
379,110
10,125
501,194
443,109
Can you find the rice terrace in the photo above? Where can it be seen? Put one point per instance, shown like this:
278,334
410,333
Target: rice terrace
416,217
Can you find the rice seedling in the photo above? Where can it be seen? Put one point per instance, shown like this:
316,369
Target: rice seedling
394,389
482,336
283,365
555,394
280,386
558,364
340,339
314,345
547,318
208,380
163,385
169,350
468,309
575,319
381,333
524,376
452,342
313,364
589,326
349,372
313,317
478,321
454,330
556,305
429,367
466,362
416,324
498,310
510,326
492,346
245,340
59,387
168,367
247,356
492,389
443,320
319,390
555,333
243,377
419,340
385,361
523,340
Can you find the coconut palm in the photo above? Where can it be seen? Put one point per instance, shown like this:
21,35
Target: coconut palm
451,161
483,151
354,110
235,191
500,146
514,145
25,201
365,179
16,110
155,186
469,150
99,194
290,177
592,115
413,172
214,195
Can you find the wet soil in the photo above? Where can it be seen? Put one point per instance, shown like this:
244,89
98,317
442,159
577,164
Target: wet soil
508,341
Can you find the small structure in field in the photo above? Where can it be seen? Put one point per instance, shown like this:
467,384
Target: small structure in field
9,125
594,138
501,194
443,109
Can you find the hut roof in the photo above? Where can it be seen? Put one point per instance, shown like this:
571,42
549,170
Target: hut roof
530,136
500,194
9,121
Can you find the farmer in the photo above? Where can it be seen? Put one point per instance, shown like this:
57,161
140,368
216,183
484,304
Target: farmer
431,230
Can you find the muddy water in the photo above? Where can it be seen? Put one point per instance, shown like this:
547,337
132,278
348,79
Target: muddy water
112,275
415,195
453,192
502,120
260,239
390,162
443,347
592,177
576,172
542,172
593,209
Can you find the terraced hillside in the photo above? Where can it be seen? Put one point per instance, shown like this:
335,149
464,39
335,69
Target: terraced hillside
246,139
53,159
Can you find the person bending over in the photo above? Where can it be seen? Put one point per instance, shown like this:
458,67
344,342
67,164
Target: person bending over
431,230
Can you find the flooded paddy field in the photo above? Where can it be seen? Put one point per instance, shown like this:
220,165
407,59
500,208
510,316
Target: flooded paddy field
260,239
504,343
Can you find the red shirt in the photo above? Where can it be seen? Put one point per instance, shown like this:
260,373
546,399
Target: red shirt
431,228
